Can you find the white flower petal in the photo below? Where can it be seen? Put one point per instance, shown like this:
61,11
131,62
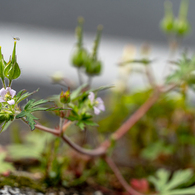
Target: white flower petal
91,97
100,105
11,91
11,102
99,100
1,99
3,92
96,110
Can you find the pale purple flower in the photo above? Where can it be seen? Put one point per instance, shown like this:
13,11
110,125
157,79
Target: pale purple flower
6,95
98,104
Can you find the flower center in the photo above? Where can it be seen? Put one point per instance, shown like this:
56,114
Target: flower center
96,103
7,96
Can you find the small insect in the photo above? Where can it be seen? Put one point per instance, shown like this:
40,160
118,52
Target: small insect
16,38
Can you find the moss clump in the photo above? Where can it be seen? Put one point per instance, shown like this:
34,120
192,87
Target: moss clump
22,181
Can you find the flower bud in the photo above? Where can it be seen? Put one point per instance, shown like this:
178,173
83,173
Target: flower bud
57,77
65,97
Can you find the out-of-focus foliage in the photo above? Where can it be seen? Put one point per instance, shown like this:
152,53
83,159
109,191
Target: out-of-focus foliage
5,166
166,186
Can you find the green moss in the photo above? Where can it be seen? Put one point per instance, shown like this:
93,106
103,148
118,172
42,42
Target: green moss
22,181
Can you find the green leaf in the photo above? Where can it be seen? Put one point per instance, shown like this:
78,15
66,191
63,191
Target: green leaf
184,72
30,107
81,125
79,95
161,180
72,118
21,95
190,190
76,92
153,150
33,147
5,126
5,166
179,177
90,123
139,61
101,88
29,118
166,186
57,109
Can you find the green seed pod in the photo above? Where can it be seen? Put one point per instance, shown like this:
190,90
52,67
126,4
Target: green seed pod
2,65
65,97
12,70
14,53
167,24
181,27
93,67
79,58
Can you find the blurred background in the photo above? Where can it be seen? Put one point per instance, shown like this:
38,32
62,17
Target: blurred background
47,38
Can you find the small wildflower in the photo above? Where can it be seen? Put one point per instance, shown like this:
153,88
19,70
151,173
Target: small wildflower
6,95
98,104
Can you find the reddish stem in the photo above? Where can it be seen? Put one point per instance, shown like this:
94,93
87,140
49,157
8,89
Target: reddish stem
117,173
46,129
124,128
93,153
